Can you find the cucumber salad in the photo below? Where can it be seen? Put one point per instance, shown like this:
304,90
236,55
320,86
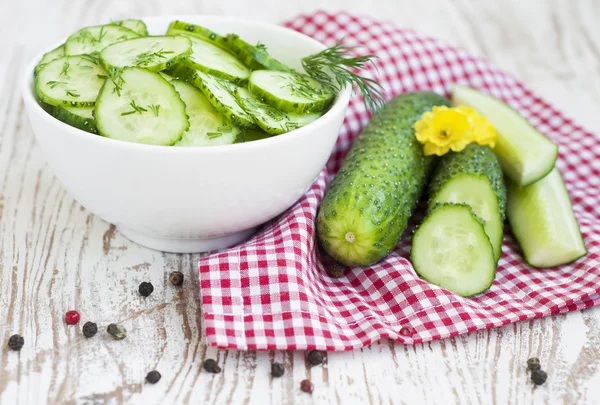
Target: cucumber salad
188,87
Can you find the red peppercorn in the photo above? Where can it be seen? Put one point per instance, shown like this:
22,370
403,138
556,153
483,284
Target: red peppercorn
306,386
72,317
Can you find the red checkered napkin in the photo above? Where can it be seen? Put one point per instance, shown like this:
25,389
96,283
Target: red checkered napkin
273,292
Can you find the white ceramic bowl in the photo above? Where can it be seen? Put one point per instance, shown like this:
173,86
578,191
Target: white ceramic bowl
191,199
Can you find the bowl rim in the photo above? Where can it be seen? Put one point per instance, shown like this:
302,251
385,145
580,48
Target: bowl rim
340,103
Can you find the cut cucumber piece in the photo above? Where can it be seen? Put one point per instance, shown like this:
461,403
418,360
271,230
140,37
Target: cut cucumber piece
140,106
542,220
524,153
152,53
251,135
207,127
183,28
48,57
94,39
290,92
451,249
78,117
255,57
137,26
216,61
71,80
270,119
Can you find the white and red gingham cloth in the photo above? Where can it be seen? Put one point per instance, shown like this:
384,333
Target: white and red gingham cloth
273,292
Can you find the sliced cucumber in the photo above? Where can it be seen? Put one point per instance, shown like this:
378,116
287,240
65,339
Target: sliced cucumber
137,26
270,119
78,117
48,57
524,153
183,28
152,53
94,39
542,220
255,57
216,61
140,106
71,80
451,249
251,135
207,127
290,92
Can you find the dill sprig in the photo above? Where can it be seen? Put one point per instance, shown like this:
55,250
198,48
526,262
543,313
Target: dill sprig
72,93
136,109
338,62
54,83
155,109
260,46
145,58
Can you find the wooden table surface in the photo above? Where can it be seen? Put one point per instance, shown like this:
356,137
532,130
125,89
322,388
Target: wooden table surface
56,256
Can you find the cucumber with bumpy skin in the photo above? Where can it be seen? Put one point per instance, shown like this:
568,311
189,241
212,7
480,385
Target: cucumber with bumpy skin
216,61
473,177
89,40
78,117
184,28
137,26
451,249
255,57
367,207
48,57
542,221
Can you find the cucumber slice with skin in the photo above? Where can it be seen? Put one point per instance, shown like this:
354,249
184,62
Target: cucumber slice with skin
207,127
152,53
184,28
94,39
290,92
78,117
216,61
140,106
451,249
48,57
255,57
542,221
71,80
524,153
137,26
269,119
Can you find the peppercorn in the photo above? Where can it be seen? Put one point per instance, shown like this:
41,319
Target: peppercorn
533,364
315,357
118,332
539,377
337,270
72,317
176,278
145,289
89,329
306,386
153,377
211,366
16,342
277,369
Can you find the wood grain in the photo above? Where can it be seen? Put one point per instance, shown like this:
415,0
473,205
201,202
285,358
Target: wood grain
55,256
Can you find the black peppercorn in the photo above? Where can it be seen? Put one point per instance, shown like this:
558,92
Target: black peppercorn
176,278
153,377
539,377
211,366
533,364
337,270
277,369
306,386
89,329
315,357
118,332
16,342
145,289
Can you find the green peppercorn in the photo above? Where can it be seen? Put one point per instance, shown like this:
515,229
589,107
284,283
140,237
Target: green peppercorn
211,366
145,289
315,357
176,278
118,332
153,377
277,369
16,342
89,329
539,377
533,364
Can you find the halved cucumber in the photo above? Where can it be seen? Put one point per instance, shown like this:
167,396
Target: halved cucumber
255,57
251,135
71,80
78,117
542,220
290,92
524,153
216,61
137,26
451,249
48,57
94,39
184,28
207,127
152,53
140,106
270,119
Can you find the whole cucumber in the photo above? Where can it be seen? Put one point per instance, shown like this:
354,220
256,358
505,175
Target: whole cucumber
367,207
